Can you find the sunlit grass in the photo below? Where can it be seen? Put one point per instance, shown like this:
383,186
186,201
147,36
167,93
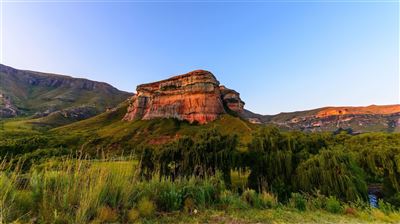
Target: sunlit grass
79,190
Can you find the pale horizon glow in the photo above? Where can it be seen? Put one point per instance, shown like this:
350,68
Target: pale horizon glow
280,57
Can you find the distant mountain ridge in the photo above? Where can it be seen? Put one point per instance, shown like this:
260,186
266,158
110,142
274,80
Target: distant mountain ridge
385,118
37,94
53,100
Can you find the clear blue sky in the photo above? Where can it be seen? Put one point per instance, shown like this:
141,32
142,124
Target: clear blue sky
279,56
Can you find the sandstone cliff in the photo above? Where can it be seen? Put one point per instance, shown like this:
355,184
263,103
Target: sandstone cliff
195,97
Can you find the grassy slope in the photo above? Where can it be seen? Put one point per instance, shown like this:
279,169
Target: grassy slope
290,115
110,126
31,98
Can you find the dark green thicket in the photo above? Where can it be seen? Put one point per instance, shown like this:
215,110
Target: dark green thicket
271,162
203,156
337,164
147,165
378,154
333,172
273,157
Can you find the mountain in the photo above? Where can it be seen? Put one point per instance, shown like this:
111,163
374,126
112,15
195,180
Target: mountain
53,98
165,110
385,118
196,96
187,104
111,131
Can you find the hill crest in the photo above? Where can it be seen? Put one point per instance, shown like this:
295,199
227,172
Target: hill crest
37,94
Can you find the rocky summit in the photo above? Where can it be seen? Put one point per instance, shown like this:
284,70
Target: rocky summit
196,96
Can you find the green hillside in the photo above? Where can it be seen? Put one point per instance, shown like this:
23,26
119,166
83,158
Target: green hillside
111,129
28,93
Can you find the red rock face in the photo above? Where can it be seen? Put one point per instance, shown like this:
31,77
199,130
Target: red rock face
232,99
195,96
373,109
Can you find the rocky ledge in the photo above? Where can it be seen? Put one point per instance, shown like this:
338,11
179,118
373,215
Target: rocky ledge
195,97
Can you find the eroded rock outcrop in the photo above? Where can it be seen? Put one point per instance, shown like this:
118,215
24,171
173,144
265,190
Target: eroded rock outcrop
372,109
232,99
195,97
373,118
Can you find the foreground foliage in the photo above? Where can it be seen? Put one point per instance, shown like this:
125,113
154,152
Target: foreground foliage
338,165
207,171
84,191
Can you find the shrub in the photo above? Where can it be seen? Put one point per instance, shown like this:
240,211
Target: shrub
107,214
225,197
7,190
202,192
333,205
197,194
189,205
229,200
298,201
170,198
268,200
133,215
385,207
250,197
263,200
146,207
23,203
360,204
379,215
61,220
395,200
316,200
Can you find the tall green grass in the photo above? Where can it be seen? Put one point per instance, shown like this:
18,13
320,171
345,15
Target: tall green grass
86,191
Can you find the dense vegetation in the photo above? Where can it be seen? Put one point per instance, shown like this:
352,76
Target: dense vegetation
49,177
335,165
85,191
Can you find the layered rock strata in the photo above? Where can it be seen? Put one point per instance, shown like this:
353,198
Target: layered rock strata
195,97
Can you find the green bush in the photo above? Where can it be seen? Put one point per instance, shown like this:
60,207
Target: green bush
228,199
395,200
250,197
197,193
385,207
316,200
111,192
189,205
106,214
146,207
170,198
23,203
298,201
333,205
133,215
268,200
